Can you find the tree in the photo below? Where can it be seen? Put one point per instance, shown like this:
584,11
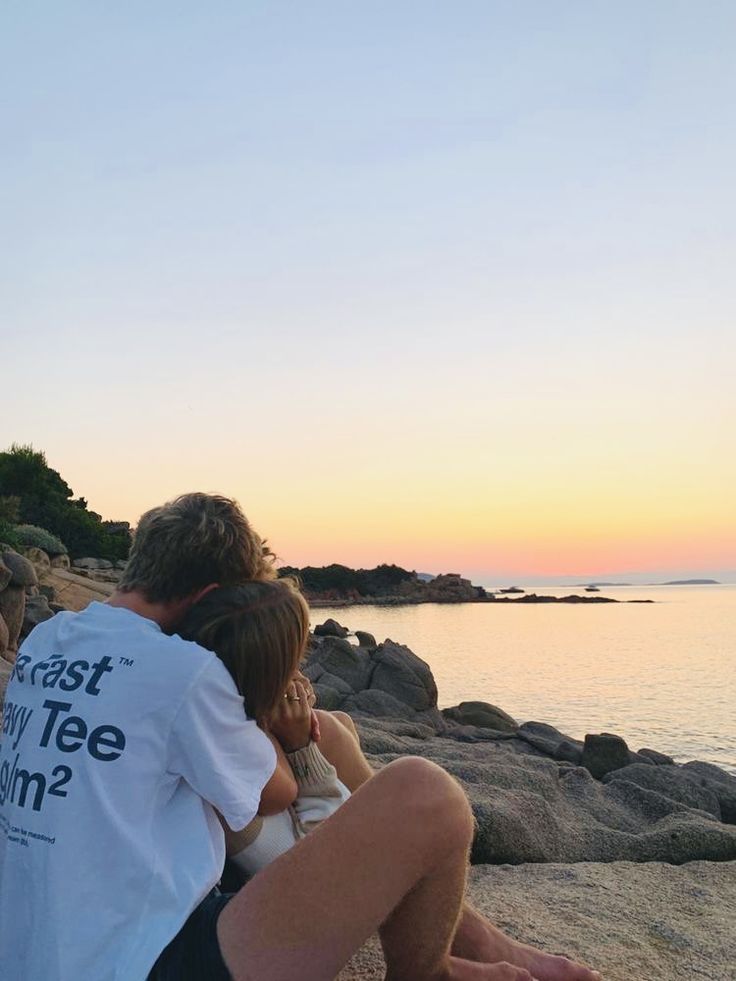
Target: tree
48,501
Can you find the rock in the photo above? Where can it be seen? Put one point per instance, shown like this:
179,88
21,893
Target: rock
37,610
553,743
38,557
722,784
327,698
374,702
452,588
365,639
404,676
60,562
12,608
330,628
474,734
335,682
530,808
91,563
660,759
5,575
121,564
481,714
341,658
672,782
630,922
6,669
331,691
57,607
603,753
23,573
48,591
4,637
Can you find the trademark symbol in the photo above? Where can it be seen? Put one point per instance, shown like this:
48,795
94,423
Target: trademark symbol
127,661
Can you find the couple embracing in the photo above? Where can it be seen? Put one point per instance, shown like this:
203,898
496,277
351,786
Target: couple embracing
157,732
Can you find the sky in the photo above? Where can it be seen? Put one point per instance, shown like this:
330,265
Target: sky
442,284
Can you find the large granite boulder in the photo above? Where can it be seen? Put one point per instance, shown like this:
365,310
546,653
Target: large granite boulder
339,657
6,669
674,782
330,628
551,742
530,808
12,609
91,563
60,562
372,701
481,714
604,753
386,680
722,784
38,557
4,637
37,610
23,572
5,574
400,673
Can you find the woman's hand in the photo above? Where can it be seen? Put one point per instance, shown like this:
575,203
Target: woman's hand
312,699
291,722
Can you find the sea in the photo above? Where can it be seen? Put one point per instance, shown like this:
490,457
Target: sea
661,674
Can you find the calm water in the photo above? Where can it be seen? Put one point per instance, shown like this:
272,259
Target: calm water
661,675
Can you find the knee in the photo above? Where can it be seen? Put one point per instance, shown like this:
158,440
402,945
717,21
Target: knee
335,722
434,803
346,720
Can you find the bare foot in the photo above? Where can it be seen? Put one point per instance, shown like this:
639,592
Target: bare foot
478,940
553,967
459,969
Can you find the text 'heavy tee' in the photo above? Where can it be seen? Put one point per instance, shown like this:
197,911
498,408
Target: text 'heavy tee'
117,742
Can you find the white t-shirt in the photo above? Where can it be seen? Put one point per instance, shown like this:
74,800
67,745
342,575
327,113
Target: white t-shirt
117,742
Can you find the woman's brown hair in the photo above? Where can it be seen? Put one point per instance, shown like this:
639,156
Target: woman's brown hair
259,630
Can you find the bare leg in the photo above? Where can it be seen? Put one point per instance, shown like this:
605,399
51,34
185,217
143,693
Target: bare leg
393,855
476,938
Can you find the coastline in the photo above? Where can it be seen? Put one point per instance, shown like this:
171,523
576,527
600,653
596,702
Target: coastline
319,603
623,859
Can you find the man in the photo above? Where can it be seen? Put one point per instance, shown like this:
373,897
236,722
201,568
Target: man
120,742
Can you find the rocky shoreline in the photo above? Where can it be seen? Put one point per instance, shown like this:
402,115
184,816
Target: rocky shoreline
621,857
324,604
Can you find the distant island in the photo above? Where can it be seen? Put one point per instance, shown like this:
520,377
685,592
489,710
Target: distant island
390,585
674,582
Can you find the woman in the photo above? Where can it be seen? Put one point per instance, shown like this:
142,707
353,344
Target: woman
259,630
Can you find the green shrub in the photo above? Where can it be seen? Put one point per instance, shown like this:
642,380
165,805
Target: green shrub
8,535
43,498
33,536
342,580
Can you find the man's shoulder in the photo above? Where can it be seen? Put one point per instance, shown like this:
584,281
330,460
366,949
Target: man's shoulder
113,627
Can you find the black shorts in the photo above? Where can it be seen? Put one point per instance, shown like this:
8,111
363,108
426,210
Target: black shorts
194,953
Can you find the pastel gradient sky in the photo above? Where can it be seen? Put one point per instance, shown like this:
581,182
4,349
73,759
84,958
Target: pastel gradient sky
444,284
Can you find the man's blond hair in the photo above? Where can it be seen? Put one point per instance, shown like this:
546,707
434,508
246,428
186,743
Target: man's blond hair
189,543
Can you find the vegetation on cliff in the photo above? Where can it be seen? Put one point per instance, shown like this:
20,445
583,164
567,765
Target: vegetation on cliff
31,493
341,582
